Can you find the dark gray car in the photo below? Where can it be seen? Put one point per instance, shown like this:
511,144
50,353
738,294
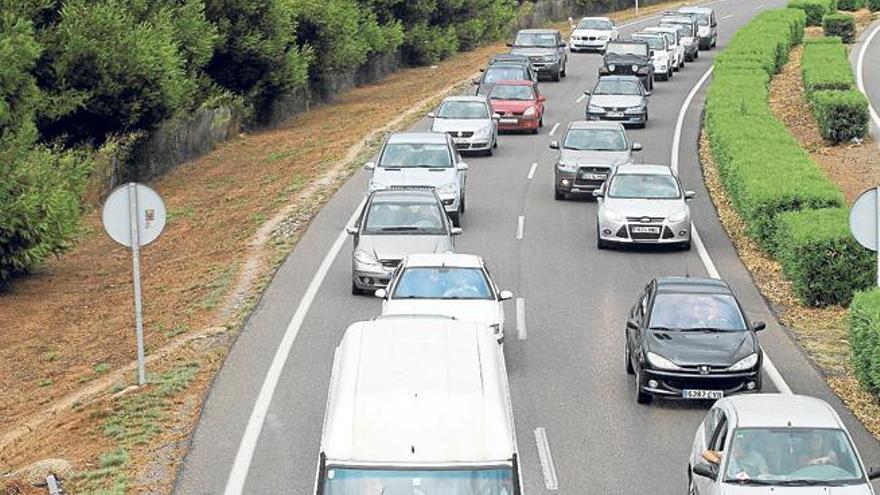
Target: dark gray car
588,153
395,223
545,50
629,58
619,98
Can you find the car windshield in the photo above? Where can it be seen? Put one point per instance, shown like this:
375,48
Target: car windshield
458,481
685,30
505,73
617,87
511,92
442,283
402,155
702,19
595,140
463,110
655,42
386,217
696,311
543,40
792,457
644,186
637,49
597,24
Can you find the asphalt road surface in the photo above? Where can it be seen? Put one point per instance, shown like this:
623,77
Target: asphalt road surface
865,58
566,367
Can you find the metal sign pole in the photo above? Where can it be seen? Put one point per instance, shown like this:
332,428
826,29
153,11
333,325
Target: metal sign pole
136,279
637,7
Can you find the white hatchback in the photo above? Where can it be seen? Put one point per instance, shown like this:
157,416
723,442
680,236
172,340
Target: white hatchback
448,284
592,33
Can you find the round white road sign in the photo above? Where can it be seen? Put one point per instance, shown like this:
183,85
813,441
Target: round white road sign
863,219
149,208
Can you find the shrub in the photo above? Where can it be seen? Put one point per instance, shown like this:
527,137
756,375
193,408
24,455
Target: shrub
825,264
841,115
842,25
814,9
864,337
427,45
850,4
873,5
825,66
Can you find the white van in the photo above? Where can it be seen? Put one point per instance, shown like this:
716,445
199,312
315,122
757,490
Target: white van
418,405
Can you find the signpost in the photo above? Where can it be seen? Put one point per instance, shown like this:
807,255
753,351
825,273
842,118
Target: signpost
134,216
864,222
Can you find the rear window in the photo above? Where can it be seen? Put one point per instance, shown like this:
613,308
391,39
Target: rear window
655,42
496,73
637,49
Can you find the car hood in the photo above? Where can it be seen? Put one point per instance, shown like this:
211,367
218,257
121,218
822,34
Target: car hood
413,176
533,51
643,207
732,489
623,101
696,348
590,32
609,158
449,125
395,247
614,58
516,106
483,311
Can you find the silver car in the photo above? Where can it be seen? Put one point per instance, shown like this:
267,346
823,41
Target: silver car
673,37
775,443
545,50
619,98
643,204
393,224
688,28
423,159
707,27
588,153
469,122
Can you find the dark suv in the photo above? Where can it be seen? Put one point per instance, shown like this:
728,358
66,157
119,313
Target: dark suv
624,58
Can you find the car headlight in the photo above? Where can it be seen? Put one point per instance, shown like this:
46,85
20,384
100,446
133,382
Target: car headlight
638,109
566,166
745,363
661,362
595,108
366,258
529,112
448,189
549,58
604,38
678,216
612,216
635,68
611,67
483,132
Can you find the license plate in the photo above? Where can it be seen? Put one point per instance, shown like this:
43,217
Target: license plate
645,230
508,121
702,394
593,176
458,140
615,114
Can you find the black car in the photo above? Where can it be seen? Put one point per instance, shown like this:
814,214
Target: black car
503,71
688,338
629,58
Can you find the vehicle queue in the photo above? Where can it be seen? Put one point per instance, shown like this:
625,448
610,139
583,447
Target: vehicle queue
419,401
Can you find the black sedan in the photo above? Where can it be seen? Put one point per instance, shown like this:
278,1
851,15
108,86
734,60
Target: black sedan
688,338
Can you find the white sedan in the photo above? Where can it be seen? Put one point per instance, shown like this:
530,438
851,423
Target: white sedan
449,284
592,33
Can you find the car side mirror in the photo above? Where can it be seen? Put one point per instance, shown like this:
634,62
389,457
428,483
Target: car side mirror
650,53
462,166
483,70
505,295
874,473
562,45
587,93
598,193
431,115
637,146
706,470
630,323
758,326
369,165
688,195
496,116
381,293
542,98
509,44
351,230
476,82
455,231
554,145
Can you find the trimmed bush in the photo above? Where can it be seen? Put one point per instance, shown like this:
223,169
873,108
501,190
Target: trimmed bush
842,25
873,5
825,66
841,115
814,9
850,5
864,337
825,264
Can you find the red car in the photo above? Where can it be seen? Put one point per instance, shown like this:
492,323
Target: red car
519,104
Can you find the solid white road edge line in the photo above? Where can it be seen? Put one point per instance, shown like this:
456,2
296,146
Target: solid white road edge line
532,170
759,7
860,75
581,98
521,318
771,370
241,465
553,131
727,17
520,222
547,467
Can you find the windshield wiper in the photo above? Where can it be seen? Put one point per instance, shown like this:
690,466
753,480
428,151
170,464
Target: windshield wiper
664,329
749,481
808,483
400,229
704,329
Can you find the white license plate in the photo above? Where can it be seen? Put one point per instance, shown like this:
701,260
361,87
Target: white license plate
645,230
508,121
615,114
702,394
593,176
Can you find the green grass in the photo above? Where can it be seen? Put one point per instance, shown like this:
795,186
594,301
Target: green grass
101,368
217,287
45,382
51,356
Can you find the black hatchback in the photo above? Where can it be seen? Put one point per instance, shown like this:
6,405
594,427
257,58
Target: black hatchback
688,338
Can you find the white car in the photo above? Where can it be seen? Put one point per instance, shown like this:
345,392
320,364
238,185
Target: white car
448,284
592,33
775,444
469,122
673,37
663,55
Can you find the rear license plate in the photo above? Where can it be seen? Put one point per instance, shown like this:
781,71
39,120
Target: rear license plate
645,230
615,114
508,121
702,394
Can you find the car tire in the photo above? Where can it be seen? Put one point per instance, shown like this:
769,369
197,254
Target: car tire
692,489
629,364
696,54
455,217
558,196
565,69
686,246
641,396
489,151
669,73
355,291
541,122
558,75
495,142
463,203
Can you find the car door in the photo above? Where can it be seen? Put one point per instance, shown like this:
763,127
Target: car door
639,315
717,442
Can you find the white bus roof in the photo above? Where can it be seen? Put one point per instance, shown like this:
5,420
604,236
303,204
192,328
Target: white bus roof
418,390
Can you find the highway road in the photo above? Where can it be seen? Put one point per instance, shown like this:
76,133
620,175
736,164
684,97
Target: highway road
865,58
566,361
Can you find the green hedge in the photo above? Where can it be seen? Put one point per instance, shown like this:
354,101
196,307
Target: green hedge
841,115
825,65
850,4
841,25
821,258
814,9
864,337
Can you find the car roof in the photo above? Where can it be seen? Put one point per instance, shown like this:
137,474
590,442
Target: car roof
596,18
628,42
782,411
509,57
520,82
417,138
596,124
418,390
652,34
458,260
508,63
474,98
695,9
404,194
660,29
544,31
617,78
690,284
670,16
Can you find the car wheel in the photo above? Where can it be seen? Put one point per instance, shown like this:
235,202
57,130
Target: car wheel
541,122
629,363
669,73
564,69
558,196
696,54
489,151
355,291
692,490
641,396
495,141
456,218
558,75
463,203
